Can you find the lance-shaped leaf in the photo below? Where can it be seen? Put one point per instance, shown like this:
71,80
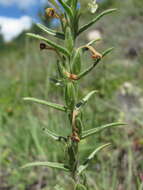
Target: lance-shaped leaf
98,129
67,9
85,99
43,102
93,41
82,74
107,51
47,164
85,27
51,32
90,157
54,45
54,136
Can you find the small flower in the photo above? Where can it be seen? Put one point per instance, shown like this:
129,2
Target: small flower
52,13
95,54
71,76
93,6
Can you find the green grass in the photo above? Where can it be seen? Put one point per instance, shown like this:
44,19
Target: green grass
27,72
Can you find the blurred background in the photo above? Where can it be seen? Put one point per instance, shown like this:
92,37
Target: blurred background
25,71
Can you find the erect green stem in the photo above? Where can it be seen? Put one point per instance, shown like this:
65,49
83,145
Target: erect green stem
70,98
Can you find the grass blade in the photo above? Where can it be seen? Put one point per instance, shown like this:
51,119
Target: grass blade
85,27
43,102
98,129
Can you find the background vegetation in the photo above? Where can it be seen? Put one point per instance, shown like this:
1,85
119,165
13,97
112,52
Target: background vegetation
25,71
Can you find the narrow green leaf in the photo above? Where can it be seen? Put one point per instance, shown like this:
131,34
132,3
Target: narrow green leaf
85,72
74,4
47,164
82,168
85,99
90,157
43,102
67,9
88,96
93,41
76,62
75,27
51,32
69,39
82,74
69,2
70,95
53,44
85,27
98,129
51,134
107,51
54,136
